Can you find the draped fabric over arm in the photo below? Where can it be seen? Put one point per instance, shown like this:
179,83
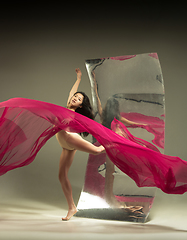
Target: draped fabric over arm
26,125
154,125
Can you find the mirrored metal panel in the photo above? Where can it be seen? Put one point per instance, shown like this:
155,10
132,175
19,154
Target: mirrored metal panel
131,90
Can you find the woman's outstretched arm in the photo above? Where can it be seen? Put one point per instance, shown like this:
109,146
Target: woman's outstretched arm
128,122
76,84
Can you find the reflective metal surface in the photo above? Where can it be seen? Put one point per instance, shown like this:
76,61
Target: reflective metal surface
135,85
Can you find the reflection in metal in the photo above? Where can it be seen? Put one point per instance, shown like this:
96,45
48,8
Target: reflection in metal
133,86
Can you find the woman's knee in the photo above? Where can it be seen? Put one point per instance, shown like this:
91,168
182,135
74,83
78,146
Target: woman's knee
62,175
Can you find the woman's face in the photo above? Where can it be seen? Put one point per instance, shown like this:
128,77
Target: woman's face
76,101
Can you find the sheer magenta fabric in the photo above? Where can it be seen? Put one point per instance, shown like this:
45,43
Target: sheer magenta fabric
155,125
26,125
94,181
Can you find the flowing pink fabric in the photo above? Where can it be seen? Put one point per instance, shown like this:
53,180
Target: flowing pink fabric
120,128
94,181
155,125
26,125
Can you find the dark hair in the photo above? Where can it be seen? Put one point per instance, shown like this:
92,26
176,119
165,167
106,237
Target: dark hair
110,111
85,109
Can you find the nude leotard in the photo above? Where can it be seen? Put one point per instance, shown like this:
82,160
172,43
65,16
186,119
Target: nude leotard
62,137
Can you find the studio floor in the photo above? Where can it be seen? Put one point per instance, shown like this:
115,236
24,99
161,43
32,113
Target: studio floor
26,219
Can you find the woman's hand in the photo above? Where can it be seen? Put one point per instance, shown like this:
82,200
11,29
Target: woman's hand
79,73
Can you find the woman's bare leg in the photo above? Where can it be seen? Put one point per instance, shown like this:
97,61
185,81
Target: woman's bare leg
77,142
66,160
109,182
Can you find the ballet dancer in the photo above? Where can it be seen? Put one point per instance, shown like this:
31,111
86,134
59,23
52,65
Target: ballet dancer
71,142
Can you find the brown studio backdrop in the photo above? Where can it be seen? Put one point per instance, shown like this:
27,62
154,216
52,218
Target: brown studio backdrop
38,61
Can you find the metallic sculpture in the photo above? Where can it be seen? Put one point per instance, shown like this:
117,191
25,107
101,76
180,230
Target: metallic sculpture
132,86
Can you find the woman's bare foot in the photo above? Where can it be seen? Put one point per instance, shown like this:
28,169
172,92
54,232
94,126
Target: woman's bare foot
102,149
133,209
70,214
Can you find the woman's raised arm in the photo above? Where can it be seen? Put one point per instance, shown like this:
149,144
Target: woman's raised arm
99,107
76,84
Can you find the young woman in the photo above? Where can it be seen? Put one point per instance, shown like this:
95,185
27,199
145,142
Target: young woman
70,142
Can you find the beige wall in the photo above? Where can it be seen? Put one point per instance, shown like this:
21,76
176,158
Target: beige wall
37,61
